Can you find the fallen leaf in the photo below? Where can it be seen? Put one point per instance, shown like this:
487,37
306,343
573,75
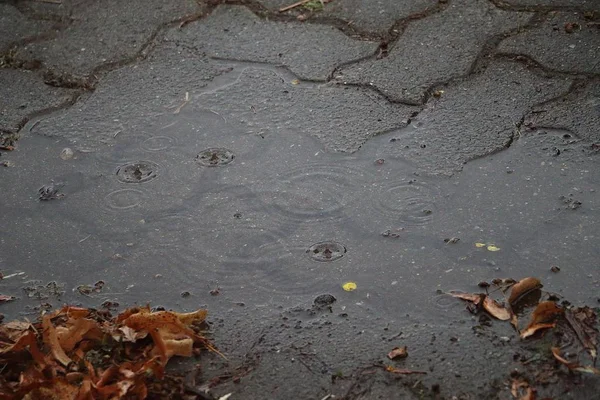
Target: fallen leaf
226,396
472,297
479,245
495,309
542,318
573,366
402,371
4,298
75,330
295,82
523,287
349,286
51,340
521,390
491,247
398,352
583,321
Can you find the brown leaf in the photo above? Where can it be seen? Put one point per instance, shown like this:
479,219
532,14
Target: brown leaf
523,287
573,366
402,371
543,317
472,297
495,309
398,352
4,298
583,322
51,340
520,389
76,330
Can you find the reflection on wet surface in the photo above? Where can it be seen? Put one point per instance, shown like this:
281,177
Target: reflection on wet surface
245,227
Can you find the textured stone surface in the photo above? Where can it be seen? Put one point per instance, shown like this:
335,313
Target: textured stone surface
129,95
581,4
376,16
434,49
310,51
105,31
25,95
474,118
552,46
15,26
578,112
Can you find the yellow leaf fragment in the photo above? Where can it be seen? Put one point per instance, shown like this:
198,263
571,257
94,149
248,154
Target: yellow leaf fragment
479,245
295,82
491,247
349,286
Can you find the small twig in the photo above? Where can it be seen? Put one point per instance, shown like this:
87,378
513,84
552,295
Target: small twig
297,4
50,1
87,237
187,99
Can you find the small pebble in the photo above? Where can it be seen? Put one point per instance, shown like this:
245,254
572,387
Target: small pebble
554,269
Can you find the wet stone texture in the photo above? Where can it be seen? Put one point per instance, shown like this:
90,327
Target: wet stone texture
474,118
308,50
563,42
432,50
104,32
555,4
26,95
373,16
578,112
15,27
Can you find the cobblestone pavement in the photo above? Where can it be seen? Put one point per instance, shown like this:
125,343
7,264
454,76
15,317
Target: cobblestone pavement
465,79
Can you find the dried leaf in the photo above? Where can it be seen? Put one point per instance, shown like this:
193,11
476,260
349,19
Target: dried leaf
472,297
402,371
523,287
398,352
521,390
583,322
495,309
75,331
572,365
542,318
479,245
491,247
4,298
51,340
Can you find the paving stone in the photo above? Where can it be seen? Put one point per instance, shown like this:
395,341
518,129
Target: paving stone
581,4
26,94
105,31
578,112
552,46
14,26
474,118
434,49
125,98
376,16
310,51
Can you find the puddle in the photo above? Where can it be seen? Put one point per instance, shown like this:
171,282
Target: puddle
255,227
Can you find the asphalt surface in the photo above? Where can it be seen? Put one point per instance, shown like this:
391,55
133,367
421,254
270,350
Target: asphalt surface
386,126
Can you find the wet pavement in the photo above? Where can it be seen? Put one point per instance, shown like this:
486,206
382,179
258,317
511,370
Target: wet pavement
228,156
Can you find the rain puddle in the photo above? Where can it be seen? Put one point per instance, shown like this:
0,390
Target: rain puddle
203,201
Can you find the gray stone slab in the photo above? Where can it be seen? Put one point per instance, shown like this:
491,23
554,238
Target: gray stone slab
23,93
434,49
310,51
474,118
581,4
578,112
552,46
376,16
105,31
14,26
128,96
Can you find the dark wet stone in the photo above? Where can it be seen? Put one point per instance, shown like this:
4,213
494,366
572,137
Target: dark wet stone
105,32
215,157
324,300
311,51
433,50
15,27
556,49
23,93
326,251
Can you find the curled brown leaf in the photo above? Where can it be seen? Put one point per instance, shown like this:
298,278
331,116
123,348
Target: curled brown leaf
522,288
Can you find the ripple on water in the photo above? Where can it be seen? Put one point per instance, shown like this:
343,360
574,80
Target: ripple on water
124,199
158,143
314,192
407,203
137,172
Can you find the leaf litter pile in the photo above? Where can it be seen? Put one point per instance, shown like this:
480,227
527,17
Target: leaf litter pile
84,354
572,332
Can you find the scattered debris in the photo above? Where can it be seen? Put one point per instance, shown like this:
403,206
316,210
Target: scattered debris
573,366
452,240
50,192
87,290
4,298
324,300
77,353
438,93
571,27
391,234
402,371
554,269
380,161
521,390
398,352
66,154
